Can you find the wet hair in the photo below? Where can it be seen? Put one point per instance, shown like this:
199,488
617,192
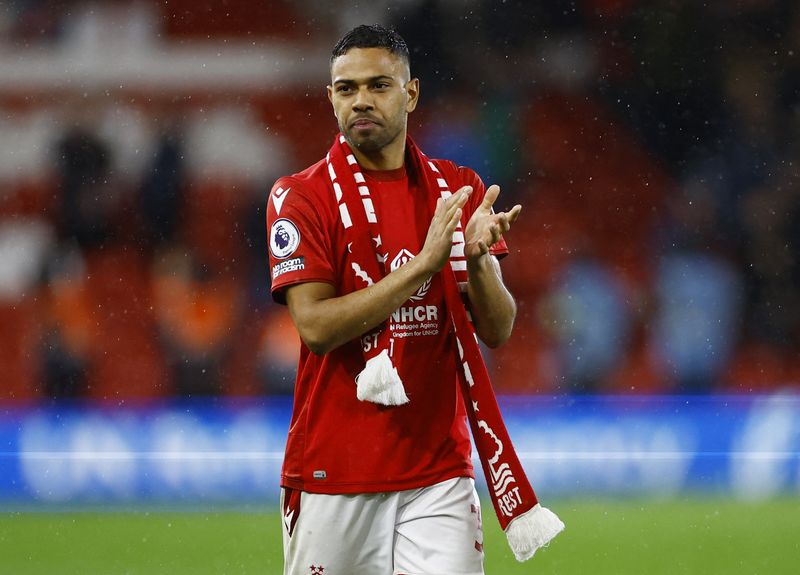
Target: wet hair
372,36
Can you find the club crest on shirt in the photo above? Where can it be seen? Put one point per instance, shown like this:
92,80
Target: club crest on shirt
284,238
402,258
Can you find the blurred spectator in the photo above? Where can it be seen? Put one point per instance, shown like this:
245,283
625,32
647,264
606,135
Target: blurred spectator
695,328
162,189
592,324
197,312
24,246
67,331
697,290
88,199
278,352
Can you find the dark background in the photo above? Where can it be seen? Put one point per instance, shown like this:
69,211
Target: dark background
653,145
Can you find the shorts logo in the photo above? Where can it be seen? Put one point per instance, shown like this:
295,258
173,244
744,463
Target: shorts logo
284,238
316,570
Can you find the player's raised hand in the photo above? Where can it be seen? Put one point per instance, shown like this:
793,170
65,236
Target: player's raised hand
439,240
485,227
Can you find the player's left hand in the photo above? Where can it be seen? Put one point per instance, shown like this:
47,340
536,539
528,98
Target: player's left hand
485,227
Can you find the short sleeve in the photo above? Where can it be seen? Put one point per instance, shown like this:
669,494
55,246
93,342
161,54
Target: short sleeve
468,177
299,241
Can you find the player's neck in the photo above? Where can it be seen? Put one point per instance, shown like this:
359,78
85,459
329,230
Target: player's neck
390,157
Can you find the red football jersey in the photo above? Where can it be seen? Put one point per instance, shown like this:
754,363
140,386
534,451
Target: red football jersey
336,443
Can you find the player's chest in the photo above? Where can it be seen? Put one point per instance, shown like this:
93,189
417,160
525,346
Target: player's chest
403,219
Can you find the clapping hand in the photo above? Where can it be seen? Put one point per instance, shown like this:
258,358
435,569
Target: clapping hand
485,227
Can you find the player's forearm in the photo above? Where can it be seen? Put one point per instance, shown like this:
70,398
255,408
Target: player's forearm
492,305
327,323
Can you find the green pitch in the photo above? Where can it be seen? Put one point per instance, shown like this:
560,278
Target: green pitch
708,536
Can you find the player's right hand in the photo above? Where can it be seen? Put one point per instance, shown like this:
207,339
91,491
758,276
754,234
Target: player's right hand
439,241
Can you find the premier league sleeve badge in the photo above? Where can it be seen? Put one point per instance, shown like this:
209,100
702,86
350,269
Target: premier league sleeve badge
284,238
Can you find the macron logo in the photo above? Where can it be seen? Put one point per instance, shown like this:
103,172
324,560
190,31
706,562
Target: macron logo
277,198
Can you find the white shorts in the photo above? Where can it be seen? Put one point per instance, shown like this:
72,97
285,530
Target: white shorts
434,530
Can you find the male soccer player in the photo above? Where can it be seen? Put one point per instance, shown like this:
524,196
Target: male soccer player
377,250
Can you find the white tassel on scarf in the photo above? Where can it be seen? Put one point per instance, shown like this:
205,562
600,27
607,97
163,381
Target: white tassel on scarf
532,530
380,383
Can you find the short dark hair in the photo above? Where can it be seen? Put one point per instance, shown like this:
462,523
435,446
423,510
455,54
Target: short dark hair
372,36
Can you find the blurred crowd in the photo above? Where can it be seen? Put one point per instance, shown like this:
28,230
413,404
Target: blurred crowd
652,144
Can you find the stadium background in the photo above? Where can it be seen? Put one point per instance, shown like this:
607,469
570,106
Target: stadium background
651,380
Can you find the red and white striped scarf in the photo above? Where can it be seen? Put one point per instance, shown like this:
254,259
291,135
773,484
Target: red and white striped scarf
527,524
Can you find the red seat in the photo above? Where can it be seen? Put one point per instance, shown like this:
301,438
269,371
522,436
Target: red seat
211,222
756,368
126,362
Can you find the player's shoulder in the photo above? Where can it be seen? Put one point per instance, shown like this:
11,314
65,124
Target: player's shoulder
305,190
309,182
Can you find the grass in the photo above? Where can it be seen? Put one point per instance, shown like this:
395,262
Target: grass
708,536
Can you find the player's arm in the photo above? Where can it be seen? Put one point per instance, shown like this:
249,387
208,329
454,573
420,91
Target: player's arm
325,321
492,305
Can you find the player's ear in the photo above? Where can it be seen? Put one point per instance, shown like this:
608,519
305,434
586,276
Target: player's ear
330,99
412,90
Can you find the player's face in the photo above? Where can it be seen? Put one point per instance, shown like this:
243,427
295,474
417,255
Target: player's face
372,95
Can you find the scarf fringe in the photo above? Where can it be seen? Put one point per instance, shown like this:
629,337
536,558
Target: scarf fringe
380,383
532,530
